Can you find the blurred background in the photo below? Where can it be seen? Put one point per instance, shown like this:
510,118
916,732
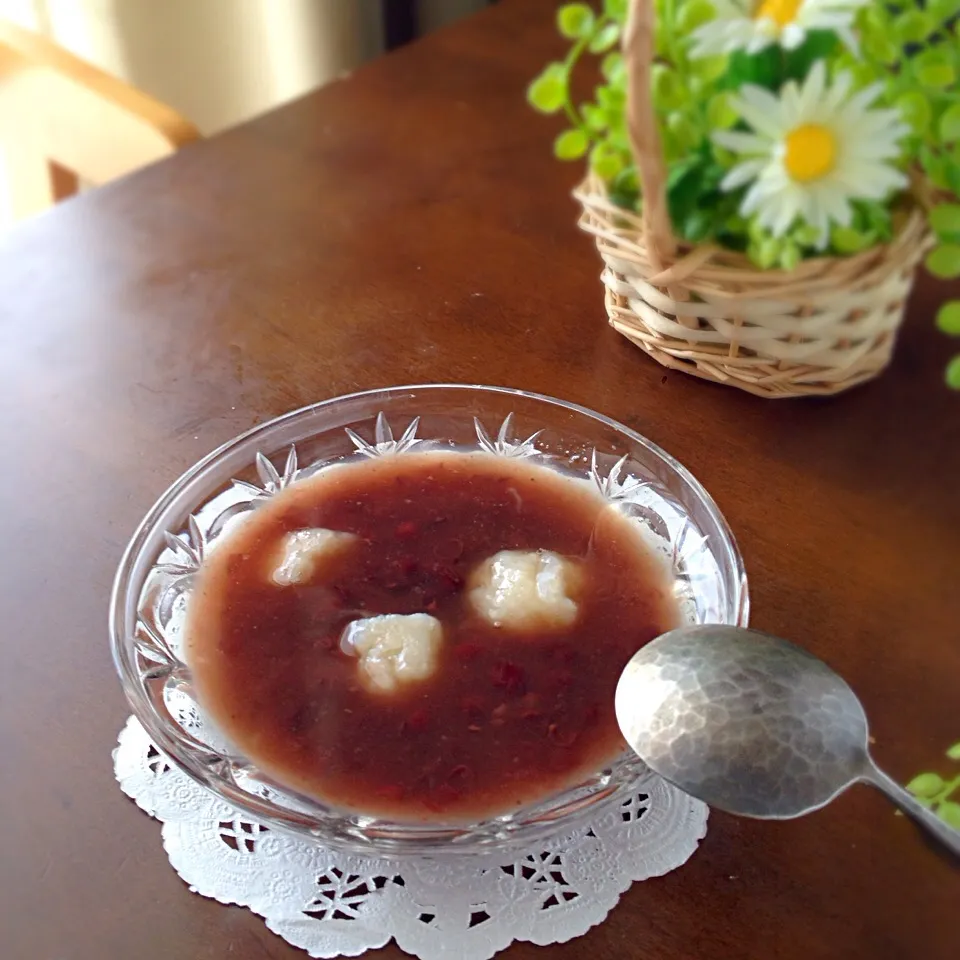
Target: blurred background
220,62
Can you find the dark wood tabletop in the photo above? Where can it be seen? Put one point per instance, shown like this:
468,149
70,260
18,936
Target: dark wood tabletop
408,224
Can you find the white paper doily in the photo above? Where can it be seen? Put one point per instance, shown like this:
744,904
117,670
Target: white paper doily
331,904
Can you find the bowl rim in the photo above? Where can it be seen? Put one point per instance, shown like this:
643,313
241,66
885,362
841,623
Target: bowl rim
130,674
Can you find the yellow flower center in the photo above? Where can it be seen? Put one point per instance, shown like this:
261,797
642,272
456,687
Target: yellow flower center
781,12
811,152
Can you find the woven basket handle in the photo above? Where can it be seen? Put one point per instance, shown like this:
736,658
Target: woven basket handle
638,57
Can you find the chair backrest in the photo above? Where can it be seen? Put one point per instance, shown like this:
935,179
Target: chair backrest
64,121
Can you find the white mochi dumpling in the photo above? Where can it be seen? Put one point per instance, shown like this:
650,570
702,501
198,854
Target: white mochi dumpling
301,550
394,649
525,590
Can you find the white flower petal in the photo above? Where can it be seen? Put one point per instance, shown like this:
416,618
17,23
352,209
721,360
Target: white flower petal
741,174
752,200
785,216
822,222
748,143
814,85
791,106
706,43
759,97
760,108
832,21
878,185
835,205
732,9
792,36
734,26
863,98
849,39
838,92
759,41
867,140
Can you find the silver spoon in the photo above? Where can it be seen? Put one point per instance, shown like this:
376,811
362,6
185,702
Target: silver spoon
752,724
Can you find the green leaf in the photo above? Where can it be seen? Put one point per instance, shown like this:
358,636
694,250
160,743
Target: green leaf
612,67
661,39
605,161
954,752
625,189
734,239
879,47
575,20
720,115
570,145
949,125
594,117
952,375
767,253
819,45
873,217
914,26
755,232
944,261
693,14
875,19
926,785
726,158
685,182
806,235
935,69
679,171
610,98
683,129
916,110
934,166
846,240
605,38
944,220
619,140
697,227
944,10
789,256
616,125
949,813
667,88
617,9
948,322
708,69
762,69
548,92
951,171
865,73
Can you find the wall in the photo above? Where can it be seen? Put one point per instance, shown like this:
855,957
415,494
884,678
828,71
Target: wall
217,62
436,13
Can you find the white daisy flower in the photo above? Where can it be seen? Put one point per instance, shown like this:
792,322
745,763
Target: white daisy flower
813,150
753,25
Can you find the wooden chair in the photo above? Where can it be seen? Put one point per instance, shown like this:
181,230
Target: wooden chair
64,122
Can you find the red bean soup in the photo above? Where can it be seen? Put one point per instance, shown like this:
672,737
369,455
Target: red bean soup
505,716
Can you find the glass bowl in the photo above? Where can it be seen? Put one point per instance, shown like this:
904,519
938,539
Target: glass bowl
155,578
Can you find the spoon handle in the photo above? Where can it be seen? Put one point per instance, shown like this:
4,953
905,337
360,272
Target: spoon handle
949,837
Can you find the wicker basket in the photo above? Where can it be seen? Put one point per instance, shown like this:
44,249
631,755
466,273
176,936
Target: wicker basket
824,327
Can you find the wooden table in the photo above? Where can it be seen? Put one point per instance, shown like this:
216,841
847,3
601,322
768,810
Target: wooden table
408,224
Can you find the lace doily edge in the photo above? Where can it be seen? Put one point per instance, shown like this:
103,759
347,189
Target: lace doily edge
697,813
662,862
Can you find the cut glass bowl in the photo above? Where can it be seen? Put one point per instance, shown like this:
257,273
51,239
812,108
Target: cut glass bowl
156,575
